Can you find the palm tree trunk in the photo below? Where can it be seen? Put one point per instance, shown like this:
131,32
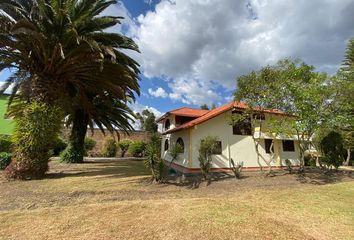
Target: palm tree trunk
77,138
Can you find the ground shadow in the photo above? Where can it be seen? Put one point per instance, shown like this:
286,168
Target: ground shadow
318,176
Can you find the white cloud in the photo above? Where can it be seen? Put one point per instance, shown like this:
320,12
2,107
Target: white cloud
198,45
159,92
138,108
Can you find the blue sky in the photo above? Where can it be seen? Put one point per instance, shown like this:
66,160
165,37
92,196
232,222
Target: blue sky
192,51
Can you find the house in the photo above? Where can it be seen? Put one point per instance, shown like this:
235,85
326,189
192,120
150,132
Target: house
187,126
7,125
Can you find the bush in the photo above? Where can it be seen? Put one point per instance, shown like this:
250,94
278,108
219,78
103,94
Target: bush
236,168
153,162
5,143
59,146
5,160
310,161
71,155
206,149
289,166
332,149
109,148
89,145
124,146
137,148
37,126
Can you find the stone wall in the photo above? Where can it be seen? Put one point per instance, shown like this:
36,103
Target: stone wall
100,138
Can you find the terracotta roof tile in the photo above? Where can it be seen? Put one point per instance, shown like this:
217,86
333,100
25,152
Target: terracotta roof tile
186,112
215,112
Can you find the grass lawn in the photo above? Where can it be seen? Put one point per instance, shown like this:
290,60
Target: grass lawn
6,125
114,200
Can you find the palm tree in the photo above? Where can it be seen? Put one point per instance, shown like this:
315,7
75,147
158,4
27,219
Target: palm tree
58,51
106,114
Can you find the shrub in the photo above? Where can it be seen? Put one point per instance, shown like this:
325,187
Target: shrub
124,146
332,149
5,143
59,146
289,166
236,168
310,161
5,159
207,147
154,162
109,148
37,126
137,148
89,145
71,155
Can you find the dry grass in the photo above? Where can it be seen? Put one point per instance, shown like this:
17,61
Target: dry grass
113,200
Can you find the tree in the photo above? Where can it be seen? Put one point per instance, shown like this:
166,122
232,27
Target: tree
343,102
153,161
108,114
57,50
124,146
257,90
147,121
207,148
332,149
204,107
295,88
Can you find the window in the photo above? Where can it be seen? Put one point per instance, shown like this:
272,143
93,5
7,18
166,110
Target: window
242,127
288,146
218,149
167,124
259,116
267,144
166,145
181,143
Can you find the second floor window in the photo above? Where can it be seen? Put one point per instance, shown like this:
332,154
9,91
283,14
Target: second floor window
242,127
167,124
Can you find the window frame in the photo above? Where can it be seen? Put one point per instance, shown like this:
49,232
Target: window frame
267,148
169,124
286,147
218,152
180,139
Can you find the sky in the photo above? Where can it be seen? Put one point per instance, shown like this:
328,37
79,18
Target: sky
192,51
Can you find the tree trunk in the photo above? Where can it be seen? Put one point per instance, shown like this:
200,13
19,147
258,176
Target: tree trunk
77,138
346,163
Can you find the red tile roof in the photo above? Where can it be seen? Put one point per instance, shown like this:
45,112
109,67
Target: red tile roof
215,112
186,112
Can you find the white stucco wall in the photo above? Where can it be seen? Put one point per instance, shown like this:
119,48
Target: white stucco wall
172,138
237,147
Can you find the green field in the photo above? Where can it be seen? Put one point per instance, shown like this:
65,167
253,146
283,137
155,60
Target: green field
6,125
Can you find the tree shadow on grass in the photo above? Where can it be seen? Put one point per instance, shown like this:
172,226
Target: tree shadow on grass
193,181
318,176
108,168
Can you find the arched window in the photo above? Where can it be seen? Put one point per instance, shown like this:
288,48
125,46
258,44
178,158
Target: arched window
181,143
167,124
166,145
